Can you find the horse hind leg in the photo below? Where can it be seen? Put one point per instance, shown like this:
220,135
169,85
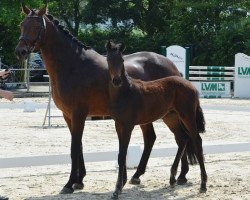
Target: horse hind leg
149,138
200,158
174,124
190,124
188,153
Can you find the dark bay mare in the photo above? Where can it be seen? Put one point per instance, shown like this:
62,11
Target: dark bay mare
79,79
135,102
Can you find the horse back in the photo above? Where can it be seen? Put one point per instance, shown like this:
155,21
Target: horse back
149,66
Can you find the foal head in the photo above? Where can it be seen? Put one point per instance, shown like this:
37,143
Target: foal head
32,31
115,62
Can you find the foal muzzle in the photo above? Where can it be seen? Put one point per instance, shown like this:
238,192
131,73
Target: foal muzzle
117,81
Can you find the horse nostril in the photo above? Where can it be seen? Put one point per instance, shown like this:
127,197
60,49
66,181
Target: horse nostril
116,81
23,52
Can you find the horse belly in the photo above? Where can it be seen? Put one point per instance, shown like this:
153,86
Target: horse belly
98,109
94,104
98,104
151,113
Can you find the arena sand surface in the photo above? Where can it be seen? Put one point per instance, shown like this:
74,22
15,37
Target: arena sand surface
22,135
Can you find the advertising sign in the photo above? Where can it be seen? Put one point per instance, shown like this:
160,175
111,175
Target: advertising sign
177,55
211,89
242,76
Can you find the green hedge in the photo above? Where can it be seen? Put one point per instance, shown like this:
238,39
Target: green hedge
134,41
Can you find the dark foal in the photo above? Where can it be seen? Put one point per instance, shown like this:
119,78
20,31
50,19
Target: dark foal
135,102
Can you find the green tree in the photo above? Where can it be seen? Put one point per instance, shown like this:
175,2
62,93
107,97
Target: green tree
217,29
202,23
70,12
10,18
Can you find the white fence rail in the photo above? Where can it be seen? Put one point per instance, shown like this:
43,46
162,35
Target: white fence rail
24,79
212,81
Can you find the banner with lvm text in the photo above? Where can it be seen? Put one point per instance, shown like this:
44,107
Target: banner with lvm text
212,89
242,76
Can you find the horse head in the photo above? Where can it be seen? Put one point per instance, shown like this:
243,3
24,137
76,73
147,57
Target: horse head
115,62
32,31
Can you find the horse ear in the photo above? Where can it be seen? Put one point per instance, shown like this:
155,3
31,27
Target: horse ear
108,45
122,47
25,9
43,11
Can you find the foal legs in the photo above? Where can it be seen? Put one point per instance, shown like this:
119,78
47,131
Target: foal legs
200,158
124,134
190,124
149,139
172,121
78,171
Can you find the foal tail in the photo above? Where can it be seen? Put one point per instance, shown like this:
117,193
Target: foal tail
190,148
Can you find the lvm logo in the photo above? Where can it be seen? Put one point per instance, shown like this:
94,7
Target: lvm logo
244,71
213,87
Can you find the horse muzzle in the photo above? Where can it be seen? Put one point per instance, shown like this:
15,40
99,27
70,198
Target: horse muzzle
21,52
117,81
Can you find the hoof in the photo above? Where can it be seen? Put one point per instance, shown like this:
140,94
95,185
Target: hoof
66,190
78,186
4,198
135,181
115,195
203,189
172,182
181,181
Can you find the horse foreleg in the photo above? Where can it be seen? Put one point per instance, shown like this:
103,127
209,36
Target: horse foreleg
124,134
78,170
149,139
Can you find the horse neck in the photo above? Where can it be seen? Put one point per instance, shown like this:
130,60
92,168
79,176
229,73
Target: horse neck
126,79
59,52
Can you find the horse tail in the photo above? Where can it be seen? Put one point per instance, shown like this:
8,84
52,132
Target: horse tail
200,120
191,144
190,150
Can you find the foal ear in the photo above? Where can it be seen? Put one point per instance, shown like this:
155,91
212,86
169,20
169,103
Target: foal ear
43,11
25,9
108,45
122,47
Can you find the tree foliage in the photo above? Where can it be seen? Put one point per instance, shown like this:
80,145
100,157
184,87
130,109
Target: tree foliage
70,12
216,29
10,18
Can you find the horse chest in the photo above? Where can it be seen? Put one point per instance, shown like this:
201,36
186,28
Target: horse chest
123,105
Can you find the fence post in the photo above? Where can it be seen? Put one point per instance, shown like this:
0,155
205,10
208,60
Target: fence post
187,62
27,73
163,50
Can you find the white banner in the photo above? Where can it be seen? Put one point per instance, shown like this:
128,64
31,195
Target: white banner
177,55
242,76
209,89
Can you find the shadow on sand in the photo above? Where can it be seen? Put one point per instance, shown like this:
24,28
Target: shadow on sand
136,192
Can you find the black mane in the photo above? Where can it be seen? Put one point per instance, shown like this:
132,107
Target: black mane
67,33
